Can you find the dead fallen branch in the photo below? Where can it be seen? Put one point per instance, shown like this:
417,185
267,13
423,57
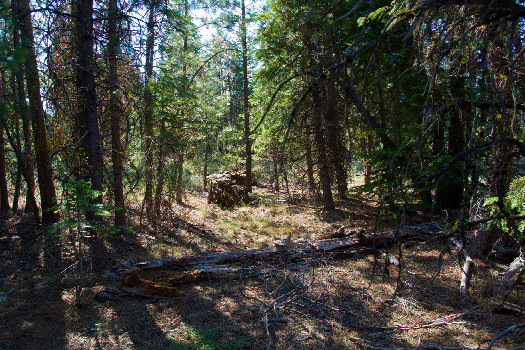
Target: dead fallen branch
443,321
509,330
466,270
163,276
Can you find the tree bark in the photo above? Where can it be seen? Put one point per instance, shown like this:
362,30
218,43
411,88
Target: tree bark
180,172
205,170
87,116
4,194
148,112
275,161
25,115
246,104
324,167
115,110
336,148
160,177
449,194
310,167
42,150
162,276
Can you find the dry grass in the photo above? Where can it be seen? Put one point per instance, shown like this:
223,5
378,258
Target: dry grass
347,304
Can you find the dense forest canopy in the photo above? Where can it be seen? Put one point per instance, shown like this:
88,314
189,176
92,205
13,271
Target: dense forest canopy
107,105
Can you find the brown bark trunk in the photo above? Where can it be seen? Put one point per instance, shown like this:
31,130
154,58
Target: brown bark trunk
367,150
310,167
148,112
180,156
160,178
4,194
206,152
115,110
275,161
246,105
88,120
324,167
336,148
25,115
180,172
449,194
205,170
45,174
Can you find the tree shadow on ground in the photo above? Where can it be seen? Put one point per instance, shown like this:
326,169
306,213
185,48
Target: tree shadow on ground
150,323
33,311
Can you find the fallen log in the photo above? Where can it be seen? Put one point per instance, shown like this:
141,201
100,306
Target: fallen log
162,276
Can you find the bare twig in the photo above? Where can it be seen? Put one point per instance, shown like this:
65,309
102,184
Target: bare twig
443,321
504,333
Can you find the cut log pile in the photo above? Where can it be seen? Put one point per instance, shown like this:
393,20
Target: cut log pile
162,276
227,187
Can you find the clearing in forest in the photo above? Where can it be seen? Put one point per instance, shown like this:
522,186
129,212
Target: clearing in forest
356,302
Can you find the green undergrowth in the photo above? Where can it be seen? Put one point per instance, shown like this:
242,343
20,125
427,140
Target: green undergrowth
209,339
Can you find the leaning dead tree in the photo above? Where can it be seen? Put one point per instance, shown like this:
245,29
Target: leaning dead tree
228,187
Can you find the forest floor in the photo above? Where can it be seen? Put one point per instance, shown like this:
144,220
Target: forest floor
330,304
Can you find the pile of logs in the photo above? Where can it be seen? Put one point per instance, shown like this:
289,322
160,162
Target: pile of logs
227,188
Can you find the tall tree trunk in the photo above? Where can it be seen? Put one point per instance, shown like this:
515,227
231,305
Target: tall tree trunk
180,172
180,155
336,146
4,194
24,112
18,180
324,167
310,167
246,105
115,110
367,149
148,112
160,177
449,194
45,174
16,146
87,116
275,161
206,153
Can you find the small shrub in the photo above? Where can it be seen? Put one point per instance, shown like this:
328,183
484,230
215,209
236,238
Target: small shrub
208,339
514,204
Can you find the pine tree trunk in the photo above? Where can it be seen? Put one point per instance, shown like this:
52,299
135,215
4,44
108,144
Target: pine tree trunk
180,172
23,111
275,161
449,194
367,149
205,170
324,167
87,116
45,175
18,180
246,105
148,112
115,110
310,167
4,194
336,148
160,177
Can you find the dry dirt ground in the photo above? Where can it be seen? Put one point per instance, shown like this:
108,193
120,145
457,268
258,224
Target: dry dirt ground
355,303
